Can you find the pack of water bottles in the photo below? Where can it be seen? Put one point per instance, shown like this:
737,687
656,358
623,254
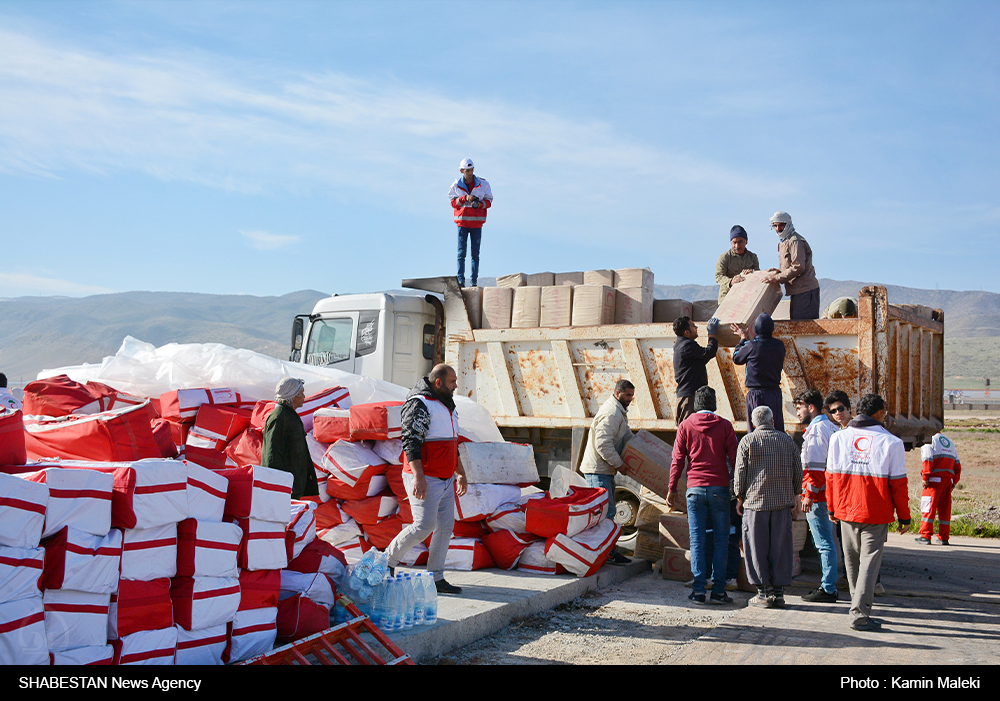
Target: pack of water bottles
392,603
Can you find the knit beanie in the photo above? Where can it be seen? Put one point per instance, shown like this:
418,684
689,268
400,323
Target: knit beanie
738,231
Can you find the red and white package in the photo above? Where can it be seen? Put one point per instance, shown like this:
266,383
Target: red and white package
116,435
201,647
322,557
299,617
394,476
183,404
75,618
511,516
20,572
315,585
354,549
264,545
342,536
22,511
140,606
149,553
203,602
481,500
329,514
584,553
209,458
22,632
333,398
574,513
533,560
251,633
332,425
302,525
206,493
355,471
77,498
467,529
12,447
371,510
83,656
150,647
216,426
390,450
506,547
110,398
381,534
260,493
377,421
163,434
416,557
146,493
246,448
466,554
59,396
259,589
81,561
316,452
207,548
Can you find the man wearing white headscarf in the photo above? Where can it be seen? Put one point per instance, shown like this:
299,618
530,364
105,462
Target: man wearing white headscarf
285,446
795,269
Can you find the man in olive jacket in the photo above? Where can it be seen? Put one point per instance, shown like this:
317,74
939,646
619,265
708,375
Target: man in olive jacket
285,446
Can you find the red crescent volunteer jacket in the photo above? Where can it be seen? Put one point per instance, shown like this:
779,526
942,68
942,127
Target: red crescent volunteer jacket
866,474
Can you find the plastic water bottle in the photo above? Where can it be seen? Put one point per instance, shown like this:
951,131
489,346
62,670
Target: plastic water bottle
382,608
410,602
420,600
398,609
379,570
364,566
431,604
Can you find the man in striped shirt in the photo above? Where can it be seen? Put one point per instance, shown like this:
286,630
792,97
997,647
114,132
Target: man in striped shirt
768,477
815,444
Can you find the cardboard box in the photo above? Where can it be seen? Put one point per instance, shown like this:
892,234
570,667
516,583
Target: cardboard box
677,564
473,297
515,280
593,305
557,306
744,303
651,507
783,312
634,277
633,305
540,280
498,303
647,546
704,309
527,307
599,277
665,311
647,461
568,278
498,463
799,531
674,531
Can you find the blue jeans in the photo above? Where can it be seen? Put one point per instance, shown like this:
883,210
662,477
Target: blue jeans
464,234
607,482
822,533
708,506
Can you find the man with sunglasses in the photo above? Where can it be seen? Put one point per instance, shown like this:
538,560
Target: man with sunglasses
795,269
839,406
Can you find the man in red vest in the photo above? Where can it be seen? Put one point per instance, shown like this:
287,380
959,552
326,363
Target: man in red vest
470,198
432,471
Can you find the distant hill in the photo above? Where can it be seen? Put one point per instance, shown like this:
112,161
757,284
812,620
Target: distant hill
50,332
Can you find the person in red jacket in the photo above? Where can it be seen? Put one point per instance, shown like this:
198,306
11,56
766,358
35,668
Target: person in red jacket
707,442
470,198
940,473
865,484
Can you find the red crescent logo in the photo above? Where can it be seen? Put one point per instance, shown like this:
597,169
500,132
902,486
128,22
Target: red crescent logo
861,443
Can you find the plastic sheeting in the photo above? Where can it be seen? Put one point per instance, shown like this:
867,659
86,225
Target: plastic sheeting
142,369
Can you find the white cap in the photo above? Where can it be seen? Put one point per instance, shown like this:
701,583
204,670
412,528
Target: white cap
467,163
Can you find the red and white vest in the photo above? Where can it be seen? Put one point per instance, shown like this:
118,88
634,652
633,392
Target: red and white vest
439,452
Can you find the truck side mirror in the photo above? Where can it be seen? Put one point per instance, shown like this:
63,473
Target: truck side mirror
298,329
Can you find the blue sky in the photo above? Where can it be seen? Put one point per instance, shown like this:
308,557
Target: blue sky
268,147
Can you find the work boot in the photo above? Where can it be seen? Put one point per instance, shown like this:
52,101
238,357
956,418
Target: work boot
923,541
943,542
821,596
444,588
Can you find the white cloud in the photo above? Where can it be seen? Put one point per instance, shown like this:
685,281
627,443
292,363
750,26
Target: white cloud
23,284
265,241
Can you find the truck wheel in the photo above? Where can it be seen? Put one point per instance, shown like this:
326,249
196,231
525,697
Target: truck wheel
626,510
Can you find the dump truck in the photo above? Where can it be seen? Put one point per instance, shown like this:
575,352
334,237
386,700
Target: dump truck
544,385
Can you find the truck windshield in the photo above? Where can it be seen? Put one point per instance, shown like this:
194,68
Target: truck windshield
330,341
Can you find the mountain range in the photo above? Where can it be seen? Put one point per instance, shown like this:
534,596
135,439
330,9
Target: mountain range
50,332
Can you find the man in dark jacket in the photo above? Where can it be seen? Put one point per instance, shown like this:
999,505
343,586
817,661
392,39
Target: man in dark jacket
707,442
764,357
285,446
690,361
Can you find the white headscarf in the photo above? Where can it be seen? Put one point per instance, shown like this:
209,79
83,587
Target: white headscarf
786,219
288,389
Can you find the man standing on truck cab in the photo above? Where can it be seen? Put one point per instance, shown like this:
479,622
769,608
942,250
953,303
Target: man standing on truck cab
470,198
690,361
432,470
795,269
865,483
734,263
602,459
